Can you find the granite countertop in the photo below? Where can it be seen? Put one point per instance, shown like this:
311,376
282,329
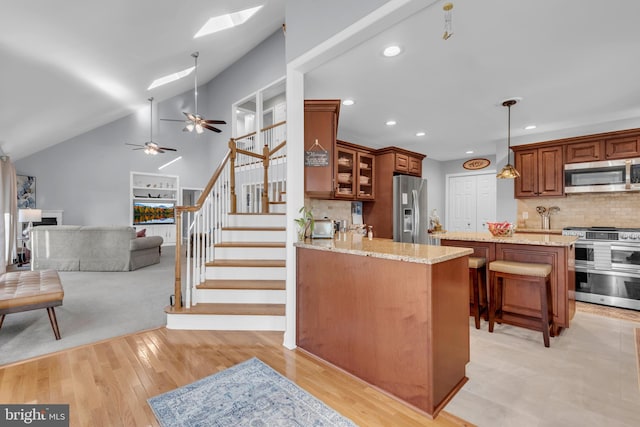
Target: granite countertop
354,244
517,238
539,230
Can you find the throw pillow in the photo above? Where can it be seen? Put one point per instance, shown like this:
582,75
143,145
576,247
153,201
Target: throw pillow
142,233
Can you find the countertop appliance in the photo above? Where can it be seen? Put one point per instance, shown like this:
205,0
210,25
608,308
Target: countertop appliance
323,229
410,214
603,176
607,265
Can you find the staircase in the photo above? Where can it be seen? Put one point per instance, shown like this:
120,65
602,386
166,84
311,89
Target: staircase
244,284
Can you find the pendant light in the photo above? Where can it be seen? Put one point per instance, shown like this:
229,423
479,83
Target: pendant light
508,172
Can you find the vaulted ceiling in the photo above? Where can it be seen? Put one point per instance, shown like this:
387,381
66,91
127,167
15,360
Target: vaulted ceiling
70,66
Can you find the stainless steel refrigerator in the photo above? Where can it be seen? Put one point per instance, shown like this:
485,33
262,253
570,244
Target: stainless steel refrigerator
410,214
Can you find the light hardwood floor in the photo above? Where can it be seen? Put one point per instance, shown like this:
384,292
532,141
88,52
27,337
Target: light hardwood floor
108,383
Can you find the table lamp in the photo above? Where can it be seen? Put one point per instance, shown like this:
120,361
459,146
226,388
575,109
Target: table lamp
29,215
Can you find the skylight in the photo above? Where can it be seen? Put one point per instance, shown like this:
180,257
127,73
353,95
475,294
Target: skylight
223,22
170,78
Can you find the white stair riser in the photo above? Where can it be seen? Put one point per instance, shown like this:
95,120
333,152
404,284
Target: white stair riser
250,253
254,235
225,322
257,220
241,296
246,273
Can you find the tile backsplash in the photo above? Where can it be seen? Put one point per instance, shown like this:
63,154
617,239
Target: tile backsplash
332,209
584,210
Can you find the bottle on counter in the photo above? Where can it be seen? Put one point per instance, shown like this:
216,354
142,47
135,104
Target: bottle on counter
370,233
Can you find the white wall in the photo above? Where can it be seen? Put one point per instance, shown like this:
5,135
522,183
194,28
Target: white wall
88,176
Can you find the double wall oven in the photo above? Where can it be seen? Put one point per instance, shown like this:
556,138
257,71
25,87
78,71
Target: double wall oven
607,265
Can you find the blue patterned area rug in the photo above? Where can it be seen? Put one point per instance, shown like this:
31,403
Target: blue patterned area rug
248,394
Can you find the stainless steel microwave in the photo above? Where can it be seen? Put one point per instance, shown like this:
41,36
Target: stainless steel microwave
604,176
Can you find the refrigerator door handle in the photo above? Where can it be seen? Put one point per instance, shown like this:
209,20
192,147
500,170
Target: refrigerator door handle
416,216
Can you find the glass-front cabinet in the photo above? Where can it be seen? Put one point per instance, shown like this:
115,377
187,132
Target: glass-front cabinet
354,174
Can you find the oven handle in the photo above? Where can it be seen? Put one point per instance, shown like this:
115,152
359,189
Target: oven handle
580,269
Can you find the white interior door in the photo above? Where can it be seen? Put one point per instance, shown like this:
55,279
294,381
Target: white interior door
471,202
462,204
486,205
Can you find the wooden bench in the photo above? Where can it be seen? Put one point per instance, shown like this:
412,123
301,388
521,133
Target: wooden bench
31,290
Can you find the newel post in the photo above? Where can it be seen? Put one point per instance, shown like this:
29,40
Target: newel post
265,187
232,173
178,279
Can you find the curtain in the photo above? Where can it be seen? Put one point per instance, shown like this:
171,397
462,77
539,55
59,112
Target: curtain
8,213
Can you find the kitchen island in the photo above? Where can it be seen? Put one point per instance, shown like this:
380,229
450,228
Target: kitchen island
393,314
523,299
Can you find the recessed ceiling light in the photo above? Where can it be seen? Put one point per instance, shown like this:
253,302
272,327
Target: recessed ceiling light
420,133
228,20
469,152
392,51
170,78
391,123
348,102
529,127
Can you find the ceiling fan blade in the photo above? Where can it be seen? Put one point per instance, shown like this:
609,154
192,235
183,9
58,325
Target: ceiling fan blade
173,120
215,122
167,149
141,148
206,126
135,145
190,117
159,150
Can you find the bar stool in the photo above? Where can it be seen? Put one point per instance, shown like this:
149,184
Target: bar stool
478,289
531,273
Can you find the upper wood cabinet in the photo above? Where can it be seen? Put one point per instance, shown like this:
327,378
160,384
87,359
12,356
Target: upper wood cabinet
406,162
622,148
591,151
321,125
541,172
355,172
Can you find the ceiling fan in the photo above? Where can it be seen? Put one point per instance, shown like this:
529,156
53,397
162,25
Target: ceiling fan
151,147
194,120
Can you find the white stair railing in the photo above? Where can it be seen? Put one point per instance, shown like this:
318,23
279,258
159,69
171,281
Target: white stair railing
206,219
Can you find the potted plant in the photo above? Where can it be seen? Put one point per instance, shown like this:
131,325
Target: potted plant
305,223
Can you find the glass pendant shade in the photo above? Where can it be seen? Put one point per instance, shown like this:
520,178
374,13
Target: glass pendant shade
508,172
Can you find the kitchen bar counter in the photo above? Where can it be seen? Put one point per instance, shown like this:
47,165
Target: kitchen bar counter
350,243
393,314
558,251
517,238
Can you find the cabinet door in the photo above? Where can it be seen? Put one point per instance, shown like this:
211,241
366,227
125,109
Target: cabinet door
346,176
366,177
550,172
526,162
415,166
402,162
584,152
319,125
622,148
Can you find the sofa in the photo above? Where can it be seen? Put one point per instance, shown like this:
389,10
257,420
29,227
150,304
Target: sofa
91,248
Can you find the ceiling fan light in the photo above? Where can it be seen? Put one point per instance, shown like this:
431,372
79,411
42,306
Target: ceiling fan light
189,127
199,128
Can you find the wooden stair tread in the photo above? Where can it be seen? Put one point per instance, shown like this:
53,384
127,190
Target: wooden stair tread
247,263
230,309
250,245
254,228
277,203
279,285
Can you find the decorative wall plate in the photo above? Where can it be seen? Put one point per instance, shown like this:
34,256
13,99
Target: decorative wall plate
475,164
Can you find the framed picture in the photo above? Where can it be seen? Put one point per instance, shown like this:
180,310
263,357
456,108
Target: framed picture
26,191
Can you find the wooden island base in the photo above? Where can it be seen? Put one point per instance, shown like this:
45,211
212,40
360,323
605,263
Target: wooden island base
401,326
